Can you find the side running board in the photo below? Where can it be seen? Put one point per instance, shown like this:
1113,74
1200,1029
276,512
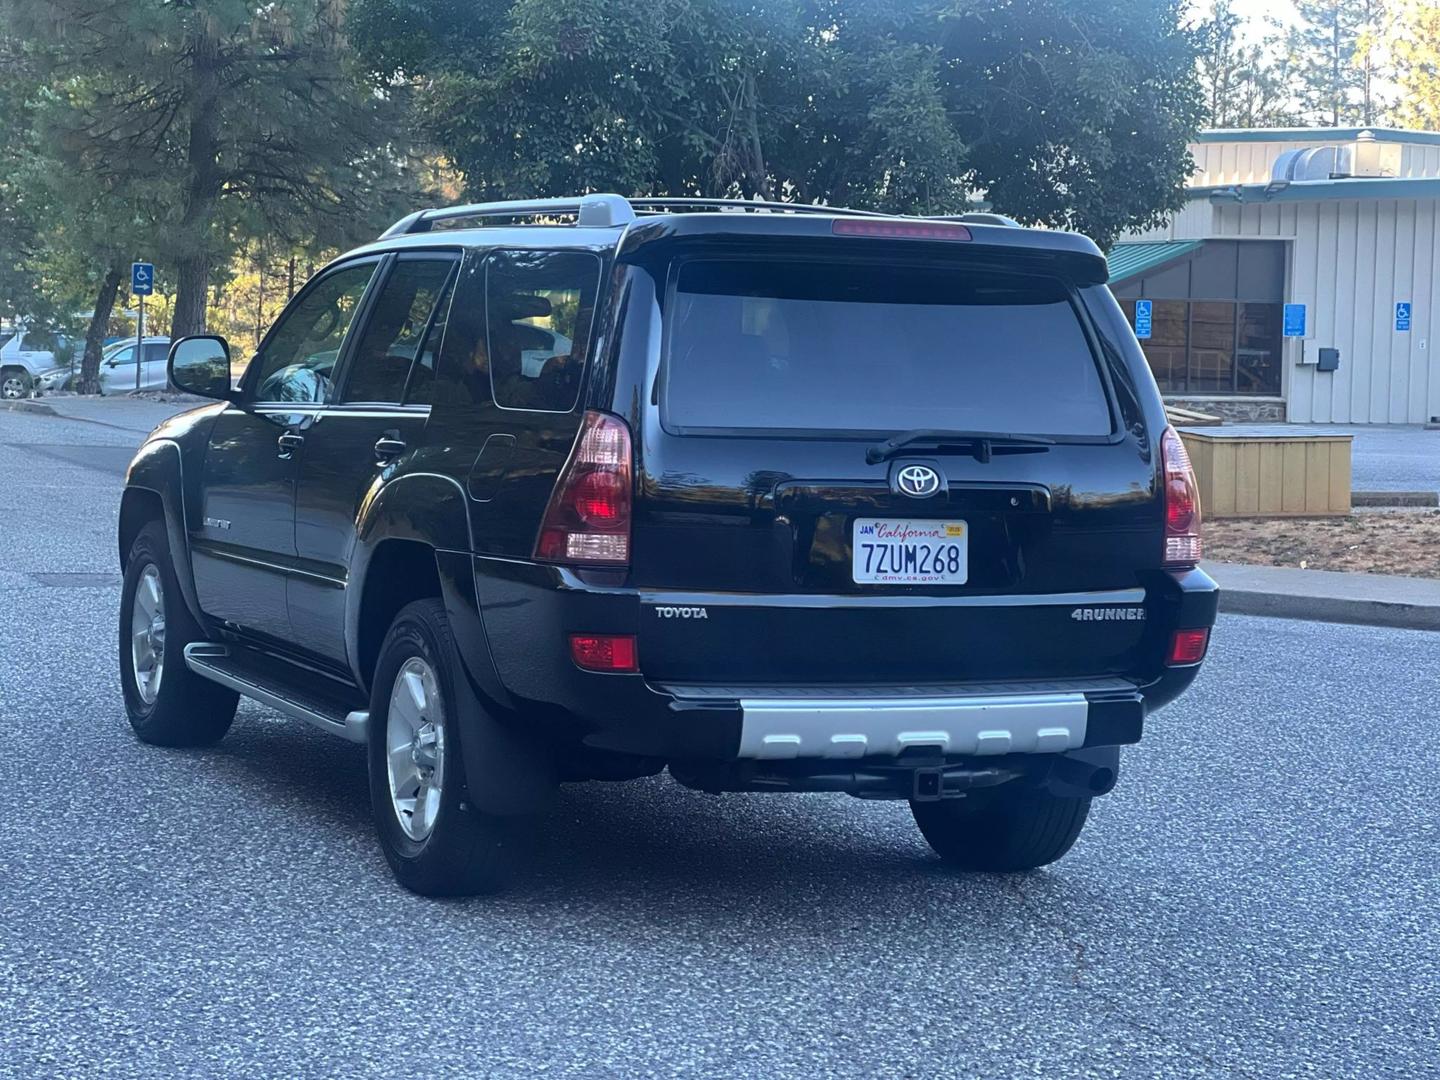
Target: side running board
245,671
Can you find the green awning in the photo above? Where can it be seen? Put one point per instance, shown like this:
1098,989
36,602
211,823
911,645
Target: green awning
1134,258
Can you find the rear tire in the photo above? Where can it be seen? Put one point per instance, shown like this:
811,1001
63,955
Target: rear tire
1002,830
435,840
168,704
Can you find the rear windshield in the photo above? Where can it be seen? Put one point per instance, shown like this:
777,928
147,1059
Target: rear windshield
783,346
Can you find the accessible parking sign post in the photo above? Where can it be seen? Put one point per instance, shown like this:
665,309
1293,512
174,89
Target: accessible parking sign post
142,284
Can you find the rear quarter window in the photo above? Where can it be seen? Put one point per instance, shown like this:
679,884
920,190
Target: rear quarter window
784,345
539,309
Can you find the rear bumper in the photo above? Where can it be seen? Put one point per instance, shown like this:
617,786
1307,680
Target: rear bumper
529,610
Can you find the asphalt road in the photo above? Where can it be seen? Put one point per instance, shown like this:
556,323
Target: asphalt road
1257,899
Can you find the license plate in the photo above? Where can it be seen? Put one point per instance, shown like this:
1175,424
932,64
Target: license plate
900,552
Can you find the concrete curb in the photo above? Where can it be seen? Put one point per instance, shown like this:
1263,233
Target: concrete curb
1394,498
1326,596
28,406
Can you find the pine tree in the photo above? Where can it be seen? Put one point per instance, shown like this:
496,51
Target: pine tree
1245,84
1333,60
223,110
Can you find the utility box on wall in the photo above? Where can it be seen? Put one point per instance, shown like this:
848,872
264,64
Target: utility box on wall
1328,360
1259,472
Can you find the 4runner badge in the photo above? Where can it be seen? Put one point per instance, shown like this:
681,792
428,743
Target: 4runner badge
681,613
1108,614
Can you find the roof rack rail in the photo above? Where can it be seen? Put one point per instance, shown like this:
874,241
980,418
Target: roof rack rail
671,204
613,211
591,211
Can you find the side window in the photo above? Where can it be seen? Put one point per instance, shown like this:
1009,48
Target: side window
156,352
422,373
123,356
539,306
399,324
297,363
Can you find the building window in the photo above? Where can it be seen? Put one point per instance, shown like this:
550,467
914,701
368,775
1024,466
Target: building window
1169,341
1257,349
1213,346
1215,319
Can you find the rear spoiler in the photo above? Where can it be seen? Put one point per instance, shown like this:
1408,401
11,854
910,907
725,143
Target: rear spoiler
1072,256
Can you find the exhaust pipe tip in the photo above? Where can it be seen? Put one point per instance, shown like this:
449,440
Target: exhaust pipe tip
1102,781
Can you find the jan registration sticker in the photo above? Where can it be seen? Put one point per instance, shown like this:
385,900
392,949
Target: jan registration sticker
908,552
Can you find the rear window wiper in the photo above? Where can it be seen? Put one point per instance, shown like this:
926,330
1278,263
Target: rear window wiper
939,440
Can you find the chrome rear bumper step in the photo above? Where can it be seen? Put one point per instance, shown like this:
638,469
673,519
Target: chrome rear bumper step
865,726
219,663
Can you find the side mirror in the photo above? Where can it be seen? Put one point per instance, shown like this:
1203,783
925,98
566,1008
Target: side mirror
201,365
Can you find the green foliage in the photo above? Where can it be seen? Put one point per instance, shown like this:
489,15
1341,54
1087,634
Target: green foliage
1068,114
1412,39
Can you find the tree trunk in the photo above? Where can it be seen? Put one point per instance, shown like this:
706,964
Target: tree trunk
259,296
202,191
191,290
759,174
99,322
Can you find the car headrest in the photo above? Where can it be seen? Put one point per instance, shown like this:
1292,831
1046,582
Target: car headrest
521,306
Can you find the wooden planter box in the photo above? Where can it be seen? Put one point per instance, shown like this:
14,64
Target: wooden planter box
1270,472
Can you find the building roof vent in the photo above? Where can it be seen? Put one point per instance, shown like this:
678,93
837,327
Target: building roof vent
1316,163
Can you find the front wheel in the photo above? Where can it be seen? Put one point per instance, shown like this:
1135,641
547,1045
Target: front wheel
435,840
15,383
168,704
1002,829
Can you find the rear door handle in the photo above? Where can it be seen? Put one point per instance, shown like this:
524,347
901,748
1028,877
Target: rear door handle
388,447
289,443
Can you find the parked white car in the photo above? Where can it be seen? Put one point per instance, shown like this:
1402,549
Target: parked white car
117,366
117,369
24,354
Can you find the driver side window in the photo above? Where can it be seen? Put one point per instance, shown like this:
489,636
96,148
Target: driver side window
298,361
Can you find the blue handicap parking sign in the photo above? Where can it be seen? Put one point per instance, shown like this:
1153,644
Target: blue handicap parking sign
142,278
1294,320
1142,319
1402,315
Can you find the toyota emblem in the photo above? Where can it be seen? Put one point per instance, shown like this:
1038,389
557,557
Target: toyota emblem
917,481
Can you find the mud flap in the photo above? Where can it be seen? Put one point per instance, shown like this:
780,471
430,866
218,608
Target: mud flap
505,774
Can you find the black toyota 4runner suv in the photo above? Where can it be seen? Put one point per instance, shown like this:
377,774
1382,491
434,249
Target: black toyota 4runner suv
779,498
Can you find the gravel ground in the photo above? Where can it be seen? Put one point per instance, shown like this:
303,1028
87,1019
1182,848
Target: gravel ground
1392,542
1255,900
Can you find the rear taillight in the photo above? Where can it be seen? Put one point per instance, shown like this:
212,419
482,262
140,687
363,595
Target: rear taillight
1187,648
588,519
1182,503
613,653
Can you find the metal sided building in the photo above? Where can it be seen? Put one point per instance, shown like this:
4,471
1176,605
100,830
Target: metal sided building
1300,281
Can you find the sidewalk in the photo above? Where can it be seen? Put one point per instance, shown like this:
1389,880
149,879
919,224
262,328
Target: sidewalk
140,415
1326,596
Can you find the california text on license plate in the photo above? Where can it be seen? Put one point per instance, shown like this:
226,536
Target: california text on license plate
901,552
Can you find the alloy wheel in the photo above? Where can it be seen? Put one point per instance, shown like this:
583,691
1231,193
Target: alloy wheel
415,748
147,634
